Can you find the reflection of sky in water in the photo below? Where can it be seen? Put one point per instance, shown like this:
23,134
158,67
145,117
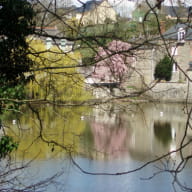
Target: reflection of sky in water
73,179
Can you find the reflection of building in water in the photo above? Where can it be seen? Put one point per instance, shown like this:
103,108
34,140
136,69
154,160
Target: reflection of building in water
157,129
150,131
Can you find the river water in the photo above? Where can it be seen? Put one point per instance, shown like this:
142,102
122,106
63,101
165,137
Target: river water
104,141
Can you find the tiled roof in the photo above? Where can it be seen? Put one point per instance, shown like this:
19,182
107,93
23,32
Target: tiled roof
172,33
52,31
88,6
176,11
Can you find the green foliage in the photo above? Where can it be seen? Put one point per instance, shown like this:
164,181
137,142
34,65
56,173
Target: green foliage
16,22
104,34
163,70
61,84
107,32
70,28
9,91
7,145
87,55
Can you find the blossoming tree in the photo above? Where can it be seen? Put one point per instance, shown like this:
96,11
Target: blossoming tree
114,63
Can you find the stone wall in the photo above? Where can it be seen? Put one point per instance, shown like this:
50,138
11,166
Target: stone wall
142,68
183,57
173,91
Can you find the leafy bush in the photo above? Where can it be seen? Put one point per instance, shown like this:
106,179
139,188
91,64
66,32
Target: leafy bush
9,93
16,24
163,70
7,145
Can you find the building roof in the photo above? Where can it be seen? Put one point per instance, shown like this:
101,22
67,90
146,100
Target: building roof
172,33
48,31
88,6
177,11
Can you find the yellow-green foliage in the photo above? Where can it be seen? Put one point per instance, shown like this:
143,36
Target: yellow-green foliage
58,84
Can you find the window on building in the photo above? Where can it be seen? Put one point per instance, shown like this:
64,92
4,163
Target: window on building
174,51
181,35
174,69
190,65
48,43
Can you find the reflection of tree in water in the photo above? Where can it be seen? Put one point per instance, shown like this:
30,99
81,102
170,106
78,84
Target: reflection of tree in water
38,127
110,136
162,131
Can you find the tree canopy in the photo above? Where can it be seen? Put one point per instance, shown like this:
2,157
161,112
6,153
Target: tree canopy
16,23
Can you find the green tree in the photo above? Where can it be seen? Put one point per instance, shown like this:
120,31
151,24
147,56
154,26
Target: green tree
7,145
16,22
71,27
59,83
163,70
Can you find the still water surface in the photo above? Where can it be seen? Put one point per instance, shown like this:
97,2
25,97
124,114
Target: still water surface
104,139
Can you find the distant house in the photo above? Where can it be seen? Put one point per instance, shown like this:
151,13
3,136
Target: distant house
179,39
50,31
124,8
95,12
51,36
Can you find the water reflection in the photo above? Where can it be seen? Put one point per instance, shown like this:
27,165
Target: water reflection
140,132
162,131
109,138
111,133
40,130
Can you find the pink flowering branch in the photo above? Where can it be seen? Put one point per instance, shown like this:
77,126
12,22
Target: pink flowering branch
112,64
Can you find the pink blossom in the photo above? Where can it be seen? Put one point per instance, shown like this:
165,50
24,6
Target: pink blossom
112,62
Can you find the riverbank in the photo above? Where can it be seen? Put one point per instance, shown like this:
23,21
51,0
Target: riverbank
160,92
171,92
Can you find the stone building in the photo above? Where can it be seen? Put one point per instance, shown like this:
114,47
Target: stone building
177,42
96,12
